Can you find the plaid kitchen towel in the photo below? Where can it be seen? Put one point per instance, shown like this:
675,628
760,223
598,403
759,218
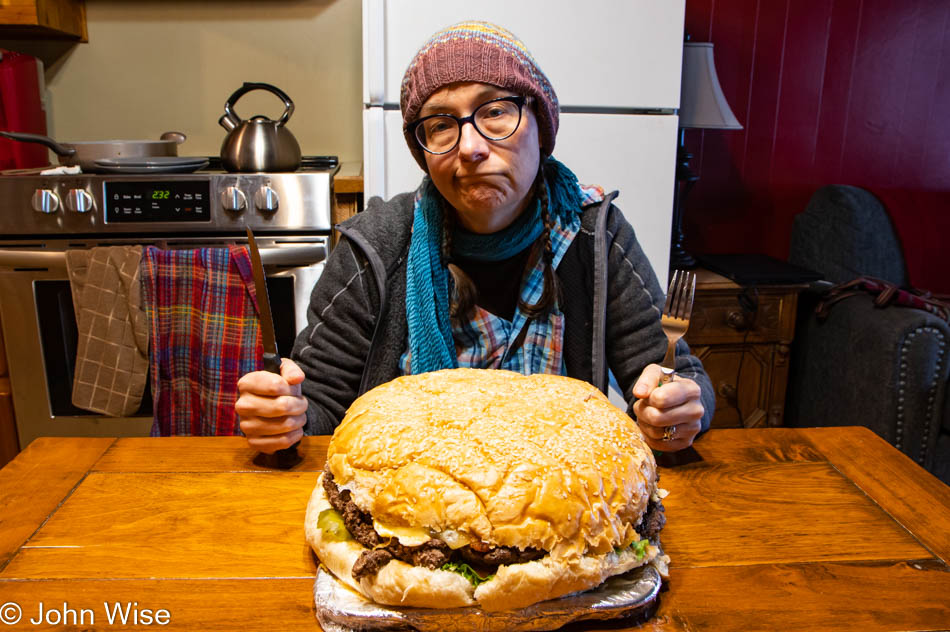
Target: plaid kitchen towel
204,335
112,349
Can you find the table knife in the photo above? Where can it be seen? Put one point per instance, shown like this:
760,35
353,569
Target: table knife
288,457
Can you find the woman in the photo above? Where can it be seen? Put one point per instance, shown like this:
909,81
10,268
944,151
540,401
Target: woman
499,260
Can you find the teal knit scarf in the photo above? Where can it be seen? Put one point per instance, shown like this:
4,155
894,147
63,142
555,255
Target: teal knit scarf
427,277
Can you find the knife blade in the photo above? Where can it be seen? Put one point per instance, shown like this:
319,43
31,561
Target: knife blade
270,359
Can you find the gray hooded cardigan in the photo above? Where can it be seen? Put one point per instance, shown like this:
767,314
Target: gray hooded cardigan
356,331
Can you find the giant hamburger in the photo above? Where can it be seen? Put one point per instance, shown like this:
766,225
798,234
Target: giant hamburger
485,488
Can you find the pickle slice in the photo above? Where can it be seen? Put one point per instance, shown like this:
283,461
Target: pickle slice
331,523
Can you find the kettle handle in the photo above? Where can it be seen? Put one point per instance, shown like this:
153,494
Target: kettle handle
248,87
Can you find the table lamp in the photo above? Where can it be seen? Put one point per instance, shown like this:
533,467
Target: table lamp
702,106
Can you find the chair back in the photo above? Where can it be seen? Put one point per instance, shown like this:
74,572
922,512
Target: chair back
845,233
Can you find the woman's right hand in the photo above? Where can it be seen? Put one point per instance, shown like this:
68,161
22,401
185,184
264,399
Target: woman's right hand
270,407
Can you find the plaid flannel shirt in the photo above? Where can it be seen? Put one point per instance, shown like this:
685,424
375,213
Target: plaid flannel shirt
487,340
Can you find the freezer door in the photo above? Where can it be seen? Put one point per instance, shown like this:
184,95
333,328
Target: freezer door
597,53
635,154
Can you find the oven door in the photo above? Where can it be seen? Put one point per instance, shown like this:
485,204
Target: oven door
39,327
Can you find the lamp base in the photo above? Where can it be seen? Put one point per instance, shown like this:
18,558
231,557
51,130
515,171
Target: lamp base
681,260
685,179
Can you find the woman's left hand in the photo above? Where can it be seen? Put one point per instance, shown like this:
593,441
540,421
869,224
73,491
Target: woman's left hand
669,415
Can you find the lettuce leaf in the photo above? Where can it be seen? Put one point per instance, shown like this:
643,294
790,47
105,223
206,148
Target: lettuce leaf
467,572
639,548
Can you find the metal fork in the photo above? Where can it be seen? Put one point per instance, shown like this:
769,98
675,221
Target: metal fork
675,319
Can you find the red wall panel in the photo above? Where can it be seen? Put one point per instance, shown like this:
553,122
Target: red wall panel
828,91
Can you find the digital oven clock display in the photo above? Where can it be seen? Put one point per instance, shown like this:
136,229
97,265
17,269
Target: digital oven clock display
153,201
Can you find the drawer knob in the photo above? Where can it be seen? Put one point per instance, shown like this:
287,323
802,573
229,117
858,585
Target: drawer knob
739,321
727,391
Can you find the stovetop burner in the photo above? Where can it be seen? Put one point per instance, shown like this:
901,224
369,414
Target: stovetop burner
306,162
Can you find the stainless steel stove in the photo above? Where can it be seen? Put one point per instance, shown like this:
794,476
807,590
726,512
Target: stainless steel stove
43,216
205,201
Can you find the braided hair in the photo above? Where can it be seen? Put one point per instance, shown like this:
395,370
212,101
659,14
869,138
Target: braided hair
462,306
466,294
551,293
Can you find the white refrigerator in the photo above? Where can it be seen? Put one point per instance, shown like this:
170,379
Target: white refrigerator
615,65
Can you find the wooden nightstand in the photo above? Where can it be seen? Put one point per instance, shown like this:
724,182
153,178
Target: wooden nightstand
743,336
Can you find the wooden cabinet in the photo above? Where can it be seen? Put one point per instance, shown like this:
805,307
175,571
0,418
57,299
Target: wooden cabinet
744,336
9,444
347,194
43,19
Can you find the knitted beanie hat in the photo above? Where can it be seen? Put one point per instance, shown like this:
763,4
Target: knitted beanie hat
482,52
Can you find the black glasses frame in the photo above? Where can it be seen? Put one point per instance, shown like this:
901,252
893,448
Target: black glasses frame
517,100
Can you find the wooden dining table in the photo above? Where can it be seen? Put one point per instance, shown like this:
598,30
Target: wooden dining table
767,529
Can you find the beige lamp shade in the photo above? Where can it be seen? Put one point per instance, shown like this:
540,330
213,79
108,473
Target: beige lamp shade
702,104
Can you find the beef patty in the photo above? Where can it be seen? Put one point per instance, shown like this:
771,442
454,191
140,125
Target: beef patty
434,553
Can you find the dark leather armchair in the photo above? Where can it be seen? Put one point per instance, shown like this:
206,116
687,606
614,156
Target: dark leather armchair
884,368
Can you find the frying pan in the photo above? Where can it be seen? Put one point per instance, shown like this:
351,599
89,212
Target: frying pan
85,154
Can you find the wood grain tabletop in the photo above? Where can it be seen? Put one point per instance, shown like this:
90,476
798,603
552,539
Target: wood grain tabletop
768,529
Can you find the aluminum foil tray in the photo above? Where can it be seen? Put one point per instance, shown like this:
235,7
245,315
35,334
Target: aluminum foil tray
633,594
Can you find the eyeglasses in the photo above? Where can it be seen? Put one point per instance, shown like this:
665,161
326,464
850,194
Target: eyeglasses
495,120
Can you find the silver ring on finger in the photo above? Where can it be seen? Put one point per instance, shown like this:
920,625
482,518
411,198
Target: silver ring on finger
670,433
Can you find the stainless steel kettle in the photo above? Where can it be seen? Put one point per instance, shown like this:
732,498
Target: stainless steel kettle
259,143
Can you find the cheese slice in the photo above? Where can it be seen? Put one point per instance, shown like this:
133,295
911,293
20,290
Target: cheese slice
407,536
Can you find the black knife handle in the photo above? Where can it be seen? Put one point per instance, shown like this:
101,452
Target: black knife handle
271,362
280,460
288,457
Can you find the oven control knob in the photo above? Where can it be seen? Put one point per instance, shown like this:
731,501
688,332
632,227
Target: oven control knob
45,201
79,201
267,200
234,200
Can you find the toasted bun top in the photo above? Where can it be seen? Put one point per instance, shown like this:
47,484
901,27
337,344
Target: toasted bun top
539,461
